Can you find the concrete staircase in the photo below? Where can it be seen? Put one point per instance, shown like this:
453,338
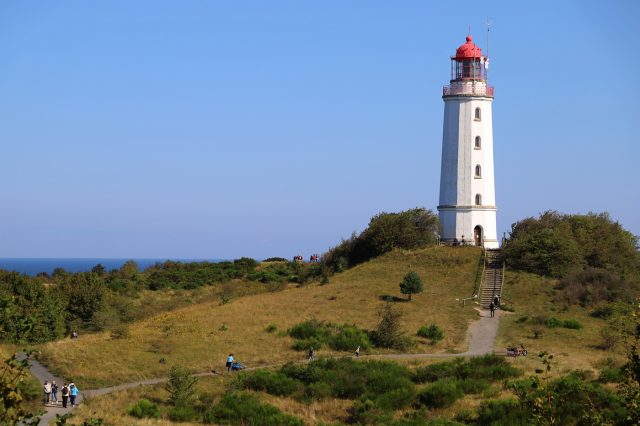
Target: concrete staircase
492,278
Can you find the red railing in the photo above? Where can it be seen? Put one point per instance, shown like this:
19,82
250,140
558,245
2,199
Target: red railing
468,90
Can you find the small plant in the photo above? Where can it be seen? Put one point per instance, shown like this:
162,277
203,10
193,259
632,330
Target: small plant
181,386
183,413
440,394
609,338
271,328
223,327
431,332
144,409
536,332
571,324
120,331
388,333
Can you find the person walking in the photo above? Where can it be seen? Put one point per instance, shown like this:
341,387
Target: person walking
73,392
358,352
230,360
65,395
54,392
312,354
492,308
47,392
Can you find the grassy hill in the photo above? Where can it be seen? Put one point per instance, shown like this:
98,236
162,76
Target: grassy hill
201,336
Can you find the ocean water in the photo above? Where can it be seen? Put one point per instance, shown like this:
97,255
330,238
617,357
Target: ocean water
36,265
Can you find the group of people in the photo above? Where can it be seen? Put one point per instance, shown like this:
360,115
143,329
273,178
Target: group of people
314,258
69,393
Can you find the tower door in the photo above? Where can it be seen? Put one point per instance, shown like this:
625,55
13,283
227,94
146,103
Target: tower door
477,235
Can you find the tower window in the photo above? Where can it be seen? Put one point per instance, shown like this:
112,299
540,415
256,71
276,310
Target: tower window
478,143
478,171
478,200
478,115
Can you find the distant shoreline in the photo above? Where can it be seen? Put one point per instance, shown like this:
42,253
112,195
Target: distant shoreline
34,266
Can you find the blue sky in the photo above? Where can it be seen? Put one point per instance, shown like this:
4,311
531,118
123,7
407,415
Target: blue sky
201,129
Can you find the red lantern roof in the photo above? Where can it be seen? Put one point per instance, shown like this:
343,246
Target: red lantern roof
469,50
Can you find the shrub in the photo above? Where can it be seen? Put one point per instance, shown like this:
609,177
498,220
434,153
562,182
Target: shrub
602,312
555,244
347,338
440,394
182,413
181,386
388,333
503,412
408,229
270,382
271,328
486,367
571,324
241,408
552,322
472,386
316,334
144,408
432,332
120,331
611,375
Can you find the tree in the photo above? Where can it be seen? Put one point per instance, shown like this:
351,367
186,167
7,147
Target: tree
629,389
180,386
98,269
13,373
388,333
411,284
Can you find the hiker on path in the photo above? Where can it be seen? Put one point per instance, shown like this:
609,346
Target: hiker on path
358,352
47,391
492,308
230,360
65,395
73,391
312,354
54,392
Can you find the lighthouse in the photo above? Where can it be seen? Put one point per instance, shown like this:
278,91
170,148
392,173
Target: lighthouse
467,206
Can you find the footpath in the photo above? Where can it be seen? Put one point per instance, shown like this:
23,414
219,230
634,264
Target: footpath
481,338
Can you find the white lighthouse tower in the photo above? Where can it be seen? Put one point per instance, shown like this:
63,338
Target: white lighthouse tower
467,207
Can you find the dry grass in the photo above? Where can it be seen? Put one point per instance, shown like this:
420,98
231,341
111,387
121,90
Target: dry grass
195,336
530,296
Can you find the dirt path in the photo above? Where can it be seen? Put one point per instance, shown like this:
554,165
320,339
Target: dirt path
481,338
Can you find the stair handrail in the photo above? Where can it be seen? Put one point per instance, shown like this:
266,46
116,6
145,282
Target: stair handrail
478,294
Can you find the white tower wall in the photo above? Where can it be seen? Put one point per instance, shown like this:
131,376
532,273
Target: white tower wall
459,213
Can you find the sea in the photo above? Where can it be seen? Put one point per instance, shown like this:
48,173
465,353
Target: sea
34,266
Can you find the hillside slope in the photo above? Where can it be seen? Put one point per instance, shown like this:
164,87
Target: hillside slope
201,336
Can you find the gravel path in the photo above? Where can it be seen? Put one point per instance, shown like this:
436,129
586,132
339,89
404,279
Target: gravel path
481,338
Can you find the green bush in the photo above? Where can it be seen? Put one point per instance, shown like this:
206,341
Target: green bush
440,394
611,375
431,332
472,386
317,334
388,332
245,409
409,229
270,382
348,338
486,367
271,328
555,244
552,322
144,408
571,324
503,412
183,413
603,312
